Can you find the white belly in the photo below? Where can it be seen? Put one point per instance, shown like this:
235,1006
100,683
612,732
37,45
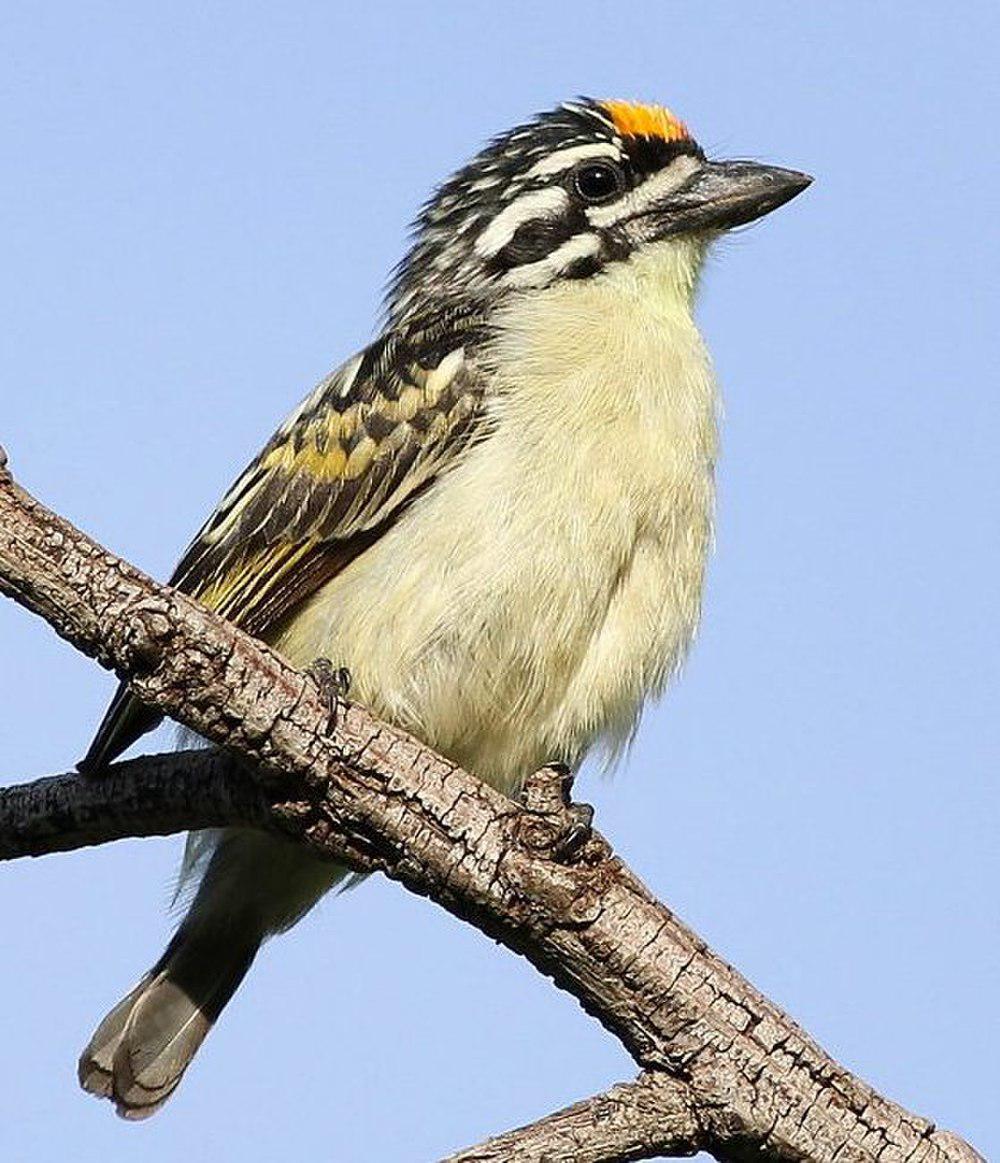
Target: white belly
523,609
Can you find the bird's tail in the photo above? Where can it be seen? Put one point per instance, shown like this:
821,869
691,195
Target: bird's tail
252,884
139,1052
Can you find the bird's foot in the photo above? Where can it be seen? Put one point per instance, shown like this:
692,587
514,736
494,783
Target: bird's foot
333,684
579,829
569,825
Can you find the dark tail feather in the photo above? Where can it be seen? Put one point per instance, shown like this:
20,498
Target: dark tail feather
139,1053
126,720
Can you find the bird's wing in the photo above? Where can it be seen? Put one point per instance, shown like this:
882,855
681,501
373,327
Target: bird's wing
330,481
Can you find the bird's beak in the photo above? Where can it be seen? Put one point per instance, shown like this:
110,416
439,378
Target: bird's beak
720,195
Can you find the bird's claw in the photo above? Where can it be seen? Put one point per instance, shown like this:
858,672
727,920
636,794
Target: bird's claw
579,829
567,826
333,684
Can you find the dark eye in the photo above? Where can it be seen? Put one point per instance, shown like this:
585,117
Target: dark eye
598,181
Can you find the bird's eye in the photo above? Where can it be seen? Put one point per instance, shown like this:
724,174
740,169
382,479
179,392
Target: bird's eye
598,181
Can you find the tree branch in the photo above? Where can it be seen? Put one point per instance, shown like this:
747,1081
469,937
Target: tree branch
636,1120
155,795
367,794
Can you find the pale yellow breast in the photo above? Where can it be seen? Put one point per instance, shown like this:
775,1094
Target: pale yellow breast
524,608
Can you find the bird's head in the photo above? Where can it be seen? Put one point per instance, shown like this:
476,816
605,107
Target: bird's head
588,184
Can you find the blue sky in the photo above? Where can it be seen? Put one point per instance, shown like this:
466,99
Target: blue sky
199,207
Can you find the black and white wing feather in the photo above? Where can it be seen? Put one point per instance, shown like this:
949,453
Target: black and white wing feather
368,441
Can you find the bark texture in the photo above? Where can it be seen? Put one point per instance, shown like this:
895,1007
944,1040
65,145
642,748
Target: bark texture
722,1068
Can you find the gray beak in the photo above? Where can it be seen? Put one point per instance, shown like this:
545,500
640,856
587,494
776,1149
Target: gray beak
721,195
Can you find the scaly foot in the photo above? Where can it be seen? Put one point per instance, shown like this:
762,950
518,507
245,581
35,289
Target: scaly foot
578,831
333,684
548,792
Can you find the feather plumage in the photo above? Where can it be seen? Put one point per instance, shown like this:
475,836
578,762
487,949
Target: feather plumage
348,462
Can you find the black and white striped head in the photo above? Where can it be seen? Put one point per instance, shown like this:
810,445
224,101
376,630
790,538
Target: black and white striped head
561,197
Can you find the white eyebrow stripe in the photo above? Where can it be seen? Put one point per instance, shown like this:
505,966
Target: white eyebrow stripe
535,204
651,191
562,159
538,273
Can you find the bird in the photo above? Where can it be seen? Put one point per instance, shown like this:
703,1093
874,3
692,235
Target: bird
496,516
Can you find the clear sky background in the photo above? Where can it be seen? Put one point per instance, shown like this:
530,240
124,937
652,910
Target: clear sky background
199,206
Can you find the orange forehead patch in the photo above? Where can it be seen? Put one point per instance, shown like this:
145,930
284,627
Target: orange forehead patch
645,121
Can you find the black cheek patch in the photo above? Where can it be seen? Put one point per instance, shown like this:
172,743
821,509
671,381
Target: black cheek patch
583,268
532,242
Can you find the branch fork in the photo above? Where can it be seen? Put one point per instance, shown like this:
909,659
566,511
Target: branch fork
721,1068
